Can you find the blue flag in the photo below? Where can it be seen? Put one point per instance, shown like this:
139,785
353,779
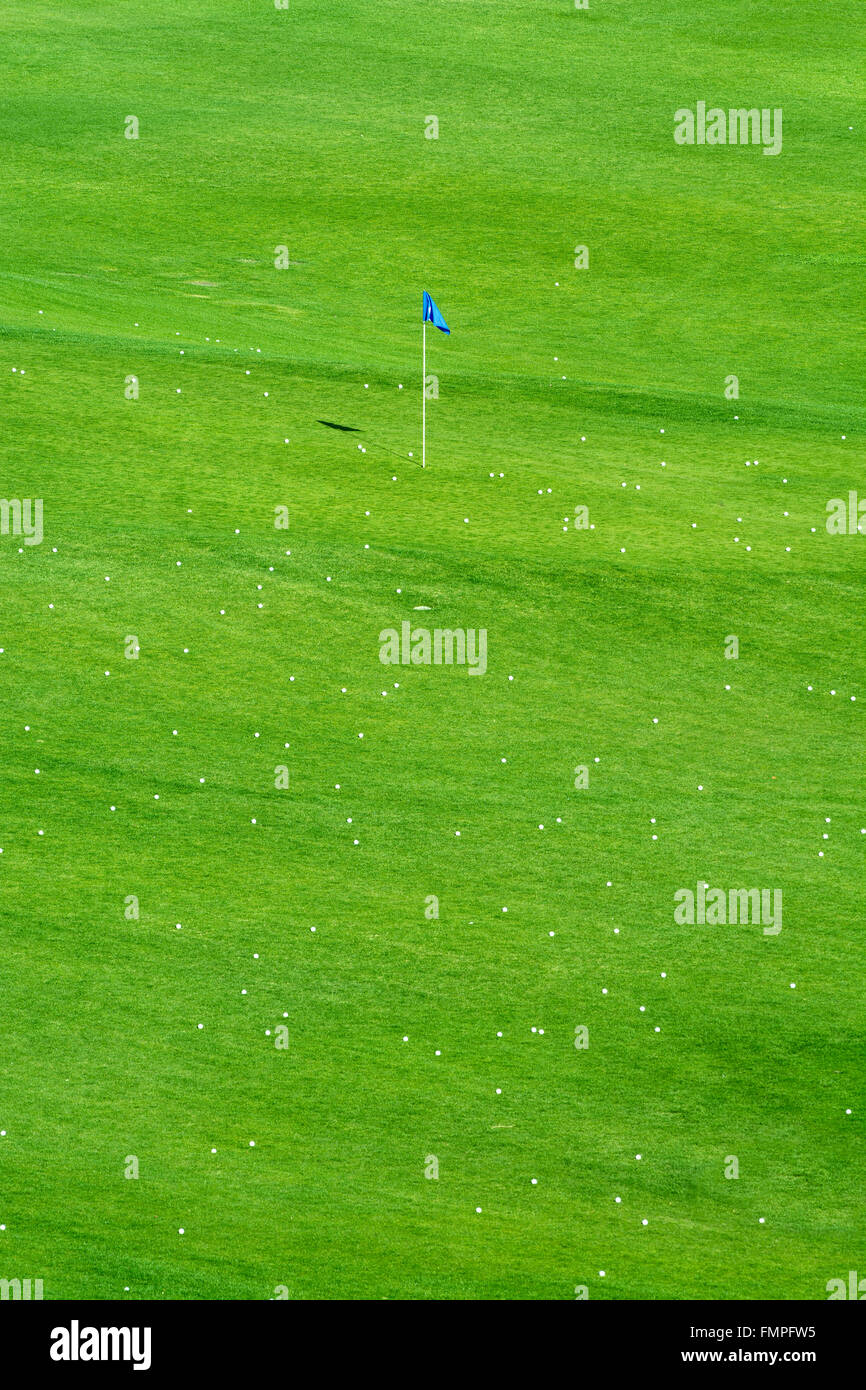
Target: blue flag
432,314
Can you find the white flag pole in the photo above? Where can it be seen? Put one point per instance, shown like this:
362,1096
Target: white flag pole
424,395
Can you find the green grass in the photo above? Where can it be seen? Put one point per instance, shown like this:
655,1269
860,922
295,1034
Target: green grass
306,128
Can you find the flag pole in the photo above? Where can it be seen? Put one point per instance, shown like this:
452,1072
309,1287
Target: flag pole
424,394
